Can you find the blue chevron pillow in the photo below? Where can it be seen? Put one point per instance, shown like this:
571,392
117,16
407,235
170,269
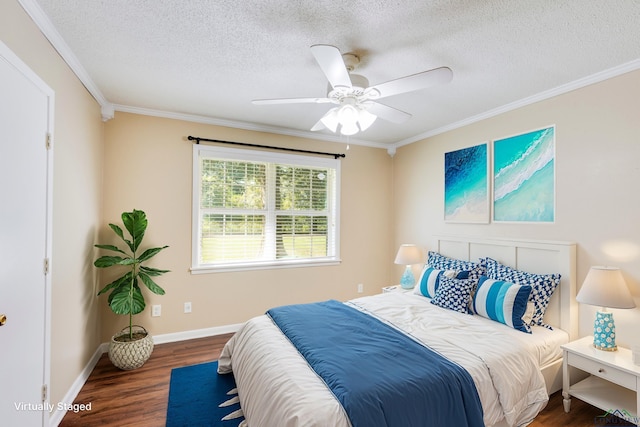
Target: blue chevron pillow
466,269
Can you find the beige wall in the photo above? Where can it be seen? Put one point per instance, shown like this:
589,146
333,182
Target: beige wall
597,174
148,166
77,183
384,202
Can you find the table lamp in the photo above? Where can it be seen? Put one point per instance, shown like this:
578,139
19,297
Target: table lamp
605,287
408,255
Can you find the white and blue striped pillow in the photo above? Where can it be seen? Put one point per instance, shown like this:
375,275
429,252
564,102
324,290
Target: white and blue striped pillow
503,302
430,281
542,286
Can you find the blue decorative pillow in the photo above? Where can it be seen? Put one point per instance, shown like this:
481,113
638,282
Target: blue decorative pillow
503,302
429,281
542,285
466,269
454,294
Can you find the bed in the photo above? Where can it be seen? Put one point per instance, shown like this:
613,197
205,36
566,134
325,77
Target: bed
513,372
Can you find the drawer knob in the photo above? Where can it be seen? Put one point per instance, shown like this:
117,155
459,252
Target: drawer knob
601,370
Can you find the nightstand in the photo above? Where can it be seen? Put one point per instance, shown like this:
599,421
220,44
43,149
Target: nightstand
396,288
613,384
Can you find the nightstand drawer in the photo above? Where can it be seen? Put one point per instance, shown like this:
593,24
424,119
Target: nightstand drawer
603,371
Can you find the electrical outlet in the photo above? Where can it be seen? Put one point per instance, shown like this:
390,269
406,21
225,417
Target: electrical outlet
360,288
187,307
156,310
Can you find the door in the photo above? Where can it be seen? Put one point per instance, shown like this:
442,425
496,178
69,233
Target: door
25,218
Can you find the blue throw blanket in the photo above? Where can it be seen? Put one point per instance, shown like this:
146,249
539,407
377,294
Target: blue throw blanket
380,376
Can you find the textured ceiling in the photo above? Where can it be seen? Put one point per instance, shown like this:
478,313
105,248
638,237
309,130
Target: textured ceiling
210,58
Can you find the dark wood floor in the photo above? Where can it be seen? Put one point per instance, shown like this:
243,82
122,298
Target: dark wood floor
139,398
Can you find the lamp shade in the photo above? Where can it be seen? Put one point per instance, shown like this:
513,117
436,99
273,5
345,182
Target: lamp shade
408,255
605,287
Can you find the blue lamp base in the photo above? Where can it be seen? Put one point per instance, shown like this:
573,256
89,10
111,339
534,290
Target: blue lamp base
604,332
407,281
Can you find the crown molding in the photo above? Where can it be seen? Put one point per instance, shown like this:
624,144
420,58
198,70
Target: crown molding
45,25
246,126
33,9
559,90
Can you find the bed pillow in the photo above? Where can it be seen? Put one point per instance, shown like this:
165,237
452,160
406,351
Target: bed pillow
454,294
542,286
429,281
503,302
466,269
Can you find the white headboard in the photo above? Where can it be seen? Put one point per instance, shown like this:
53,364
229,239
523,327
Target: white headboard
533,256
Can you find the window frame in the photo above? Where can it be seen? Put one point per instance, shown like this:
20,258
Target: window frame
238,154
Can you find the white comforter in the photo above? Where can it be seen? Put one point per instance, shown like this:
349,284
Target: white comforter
276,387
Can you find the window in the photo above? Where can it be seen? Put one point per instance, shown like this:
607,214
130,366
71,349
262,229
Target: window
255,209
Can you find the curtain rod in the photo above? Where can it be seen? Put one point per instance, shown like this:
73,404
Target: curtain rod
246,144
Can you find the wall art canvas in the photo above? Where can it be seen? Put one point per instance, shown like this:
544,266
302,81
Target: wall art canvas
466,185
524,177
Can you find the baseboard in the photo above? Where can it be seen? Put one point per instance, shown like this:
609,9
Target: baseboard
56,417
188,335
196,333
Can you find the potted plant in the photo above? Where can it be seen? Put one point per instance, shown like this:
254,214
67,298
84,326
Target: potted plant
130,349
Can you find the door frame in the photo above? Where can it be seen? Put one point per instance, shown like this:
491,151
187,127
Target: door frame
13,60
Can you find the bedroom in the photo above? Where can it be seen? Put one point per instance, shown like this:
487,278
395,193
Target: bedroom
597,151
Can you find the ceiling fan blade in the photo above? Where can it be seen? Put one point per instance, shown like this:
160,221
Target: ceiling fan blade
291,101
330,60
413,82
388,113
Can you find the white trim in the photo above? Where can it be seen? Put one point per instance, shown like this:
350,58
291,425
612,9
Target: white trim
559,90
45,25
196,333
227,268
77,385
246,126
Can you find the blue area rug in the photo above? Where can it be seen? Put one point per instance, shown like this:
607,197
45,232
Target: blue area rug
194,395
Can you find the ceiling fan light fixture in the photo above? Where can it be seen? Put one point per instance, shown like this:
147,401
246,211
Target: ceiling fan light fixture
349,129
330,119
366,119
348,114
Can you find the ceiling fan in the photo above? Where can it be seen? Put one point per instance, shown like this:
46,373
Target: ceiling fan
357,102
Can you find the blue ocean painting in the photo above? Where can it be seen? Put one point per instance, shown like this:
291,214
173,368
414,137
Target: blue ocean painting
524,177
466,189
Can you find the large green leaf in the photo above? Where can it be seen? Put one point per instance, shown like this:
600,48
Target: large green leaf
120,234
111,248
150,253
136,224
153,271
127,300
117,230
153,286
109,261
121,281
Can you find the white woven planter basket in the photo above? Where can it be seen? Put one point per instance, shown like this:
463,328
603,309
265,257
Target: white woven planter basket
130,355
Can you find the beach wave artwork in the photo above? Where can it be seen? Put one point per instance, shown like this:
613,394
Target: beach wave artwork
524,177
466,194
